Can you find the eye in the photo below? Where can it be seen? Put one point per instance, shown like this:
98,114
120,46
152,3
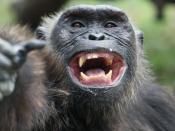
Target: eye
77,24
110,24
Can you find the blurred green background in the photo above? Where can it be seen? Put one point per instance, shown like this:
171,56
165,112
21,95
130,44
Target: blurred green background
159,42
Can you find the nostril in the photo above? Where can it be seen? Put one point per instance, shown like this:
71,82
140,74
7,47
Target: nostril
102,37
96,37
92,37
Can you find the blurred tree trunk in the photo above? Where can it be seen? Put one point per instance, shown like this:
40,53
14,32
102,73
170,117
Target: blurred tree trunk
160,5
30,11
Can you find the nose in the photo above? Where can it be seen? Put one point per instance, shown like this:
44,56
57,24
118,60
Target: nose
94,36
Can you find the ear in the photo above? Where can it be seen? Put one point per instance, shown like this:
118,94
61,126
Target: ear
140,37
41,33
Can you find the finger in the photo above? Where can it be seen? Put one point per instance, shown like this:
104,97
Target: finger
34,45
5,63
5,75
6,88
6,48
26,47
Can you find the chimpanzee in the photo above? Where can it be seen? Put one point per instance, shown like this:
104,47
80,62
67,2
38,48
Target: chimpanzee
86,71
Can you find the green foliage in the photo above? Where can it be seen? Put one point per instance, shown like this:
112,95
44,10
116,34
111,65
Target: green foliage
5,12
159,36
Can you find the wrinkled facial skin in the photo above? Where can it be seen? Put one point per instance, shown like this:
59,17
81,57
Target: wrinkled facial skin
101,31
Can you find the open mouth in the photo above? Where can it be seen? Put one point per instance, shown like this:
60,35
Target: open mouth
97,68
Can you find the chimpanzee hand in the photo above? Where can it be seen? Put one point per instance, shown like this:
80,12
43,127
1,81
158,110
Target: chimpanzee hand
12,57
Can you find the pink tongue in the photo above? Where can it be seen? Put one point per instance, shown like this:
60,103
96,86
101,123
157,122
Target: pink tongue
95,72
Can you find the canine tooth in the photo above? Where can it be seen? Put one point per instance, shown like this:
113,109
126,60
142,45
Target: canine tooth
83,76
109,75
81,61
109,61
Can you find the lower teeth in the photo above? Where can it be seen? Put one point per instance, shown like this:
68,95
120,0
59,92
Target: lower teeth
89,75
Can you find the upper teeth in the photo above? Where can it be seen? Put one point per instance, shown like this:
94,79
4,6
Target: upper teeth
83,59
92,56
